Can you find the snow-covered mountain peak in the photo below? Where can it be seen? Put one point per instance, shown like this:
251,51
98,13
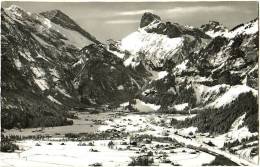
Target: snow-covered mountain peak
17,11
213,25
213,28
244,29
15,8
172,30
157,43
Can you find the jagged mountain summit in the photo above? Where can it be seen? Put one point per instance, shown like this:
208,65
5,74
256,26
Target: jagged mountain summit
163,44
213,28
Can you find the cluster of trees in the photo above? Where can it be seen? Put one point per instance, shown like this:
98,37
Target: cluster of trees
105,135
33,117
30,137
219,120
146,137
221,161
7,145
165,92
142,160
242,142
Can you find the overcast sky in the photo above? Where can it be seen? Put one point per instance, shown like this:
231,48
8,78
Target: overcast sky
117,19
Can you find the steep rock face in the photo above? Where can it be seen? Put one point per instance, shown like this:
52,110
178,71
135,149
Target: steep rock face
37,54
230,59
102,79
233,61
152,23
59,18
148,18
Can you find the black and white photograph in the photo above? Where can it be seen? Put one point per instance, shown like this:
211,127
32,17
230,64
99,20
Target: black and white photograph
129,83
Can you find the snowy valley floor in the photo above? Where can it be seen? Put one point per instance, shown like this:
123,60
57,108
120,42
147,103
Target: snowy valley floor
179,151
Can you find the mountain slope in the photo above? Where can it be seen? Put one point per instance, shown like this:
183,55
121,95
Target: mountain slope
52,65
202,70
37,54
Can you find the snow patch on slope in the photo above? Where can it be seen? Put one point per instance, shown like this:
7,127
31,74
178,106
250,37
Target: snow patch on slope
27,56
145,107
205,93
181,67
238,122
42,84
124,104
38,72
181,107
249,28
131,62
240,134
41,57
18,63
158,75
63,91
120,87
53,99
54,74
214,34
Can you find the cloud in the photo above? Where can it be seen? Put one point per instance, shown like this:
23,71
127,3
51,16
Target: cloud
194,9
134,12
121,21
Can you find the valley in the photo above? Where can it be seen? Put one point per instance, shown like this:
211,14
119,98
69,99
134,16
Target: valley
160,142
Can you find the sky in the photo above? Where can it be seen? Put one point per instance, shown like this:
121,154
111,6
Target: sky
106,20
